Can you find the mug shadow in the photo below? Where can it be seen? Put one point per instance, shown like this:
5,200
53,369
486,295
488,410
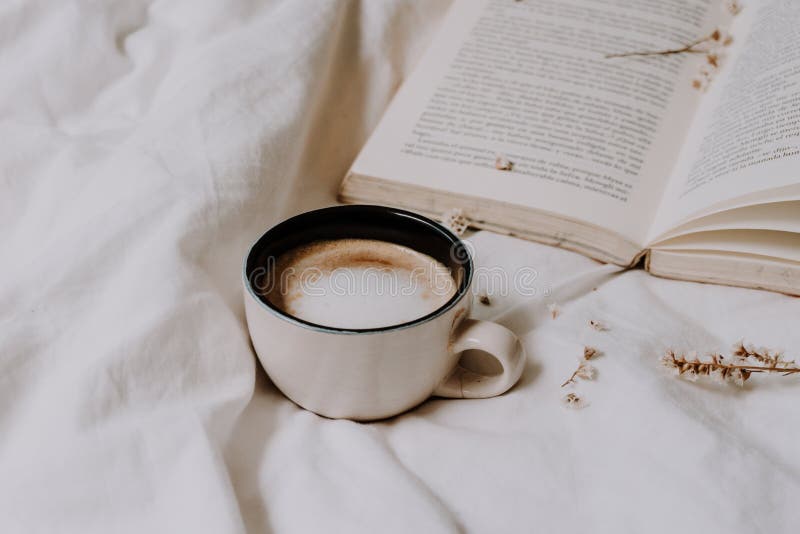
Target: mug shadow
529,376
431,405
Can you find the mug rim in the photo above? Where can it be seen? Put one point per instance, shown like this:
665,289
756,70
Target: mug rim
464,286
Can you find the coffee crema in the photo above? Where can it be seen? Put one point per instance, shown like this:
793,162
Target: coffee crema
358,283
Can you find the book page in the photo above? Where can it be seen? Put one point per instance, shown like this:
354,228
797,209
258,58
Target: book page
775,244
781,216
746,138
589,137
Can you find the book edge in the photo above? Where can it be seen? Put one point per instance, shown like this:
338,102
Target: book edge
348,193
774,267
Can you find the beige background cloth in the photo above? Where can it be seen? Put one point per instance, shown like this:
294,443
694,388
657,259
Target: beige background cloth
146,144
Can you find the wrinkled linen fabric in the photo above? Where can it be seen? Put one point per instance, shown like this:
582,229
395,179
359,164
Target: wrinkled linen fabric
145,145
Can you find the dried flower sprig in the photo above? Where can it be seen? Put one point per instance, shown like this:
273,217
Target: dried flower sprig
698,46
692,367
585,370
715,366
711,45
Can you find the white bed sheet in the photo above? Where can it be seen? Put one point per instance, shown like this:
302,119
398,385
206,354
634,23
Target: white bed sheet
146,144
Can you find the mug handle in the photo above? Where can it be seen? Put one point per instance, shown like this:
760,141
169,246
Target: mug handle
498,341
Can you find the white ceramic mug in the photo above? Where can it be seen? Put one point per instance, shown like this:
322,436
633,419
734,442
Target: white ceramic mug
374,373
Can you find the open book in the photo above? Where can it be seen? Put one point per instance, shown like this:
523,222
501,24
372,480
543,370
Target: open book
693,166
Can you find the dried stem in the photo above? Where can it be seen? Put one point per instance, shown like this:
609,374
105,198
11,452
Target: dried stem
715,364
584,370
690,48
571,379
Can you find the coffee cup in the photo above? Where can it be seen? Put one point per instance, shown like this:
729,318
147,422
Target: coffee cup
364,355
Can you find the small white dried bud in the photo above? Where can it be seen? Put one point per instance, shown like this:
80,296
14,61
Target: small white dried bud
554,310
717,376
502,163
734,7
597,325
456,221
571,400
586,371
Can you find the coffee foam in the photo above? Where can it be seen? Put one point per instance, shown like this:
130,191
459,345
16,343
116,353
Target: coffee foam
359,283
